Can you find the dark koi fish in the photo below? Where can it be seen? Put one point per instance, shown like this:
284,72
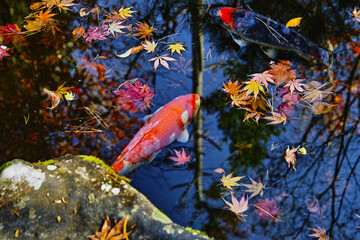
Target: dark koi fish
247,26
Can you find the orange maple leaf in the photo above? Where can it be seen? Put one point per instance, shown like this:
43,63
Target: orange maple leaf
282,72
232,87
45,17
144,30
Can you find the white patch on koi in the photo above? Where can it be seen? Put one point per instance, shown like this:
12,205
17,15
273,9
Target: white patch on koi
183,137
172,138
185,117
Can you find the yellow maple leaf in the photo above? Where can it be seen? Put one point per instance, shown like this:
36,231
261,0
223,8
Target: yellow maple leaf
294,22
62,91
33,25
176,47
229,181
253,87
144,30
302,151
125,13
149,46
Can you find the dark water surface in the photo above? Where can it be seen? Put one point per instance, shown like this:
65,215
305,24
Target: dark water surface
323,191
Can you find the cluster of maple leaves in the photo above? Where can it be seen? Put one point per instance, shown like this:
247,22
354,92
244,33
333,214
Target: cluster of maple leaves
265,208
118,23
277,104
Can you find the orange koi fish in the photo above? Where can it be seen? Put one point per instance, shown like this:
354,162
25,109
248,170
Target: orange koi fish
168,123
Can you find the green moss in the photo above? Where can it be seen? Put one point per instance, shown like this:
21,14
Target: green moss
47,162
97,160
196,231
160,216
5,165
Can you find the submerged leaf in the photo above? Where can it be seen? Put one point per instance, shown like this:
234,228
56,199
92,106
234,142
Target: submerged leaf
181,157
319,232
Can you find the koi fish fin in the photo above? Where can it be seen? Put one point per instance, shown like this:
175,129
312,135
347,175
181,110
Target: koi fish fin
240,41
270,52
183,137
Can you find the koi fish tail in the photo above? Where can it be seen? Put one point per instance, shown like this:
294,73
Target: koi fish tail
119,163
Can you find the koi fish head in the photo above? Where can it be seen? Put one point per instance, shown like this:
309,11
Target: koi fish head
225,15
191,102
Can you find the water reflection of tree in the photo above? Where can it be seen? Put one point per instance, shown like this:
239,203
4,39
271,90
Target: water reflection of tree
328,172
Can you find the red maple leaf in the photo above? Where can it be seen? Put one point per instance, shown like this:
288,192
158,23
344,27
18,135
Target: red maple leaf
11,33
134,97
266,209
181,157
3,51
96,33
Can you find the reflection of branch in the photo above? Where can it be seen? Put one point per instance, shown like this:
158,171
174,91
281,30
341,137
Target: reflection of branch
197,77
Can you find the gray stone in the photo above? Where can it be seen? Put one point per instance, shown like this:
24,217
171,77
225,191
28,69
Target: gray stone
70,197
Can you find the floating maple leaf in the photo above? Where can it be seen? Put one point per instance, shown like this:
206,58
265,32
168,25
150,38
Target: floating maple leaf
253,87
62,91
65,4
255,187
162,60
134,97
144,30
3,51
239,100
176,47
238,207
282,72
115,27
276,118
290,156
319,232
54,98
229,181
118,232
125,13
266,209
356,15
294,22
149,46
181,157
295,84
11,33
130,51
263,78
96,33
78,32
231,87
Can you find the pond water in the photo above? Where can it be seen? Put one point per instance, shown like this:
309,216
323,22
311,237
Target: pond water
315,105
